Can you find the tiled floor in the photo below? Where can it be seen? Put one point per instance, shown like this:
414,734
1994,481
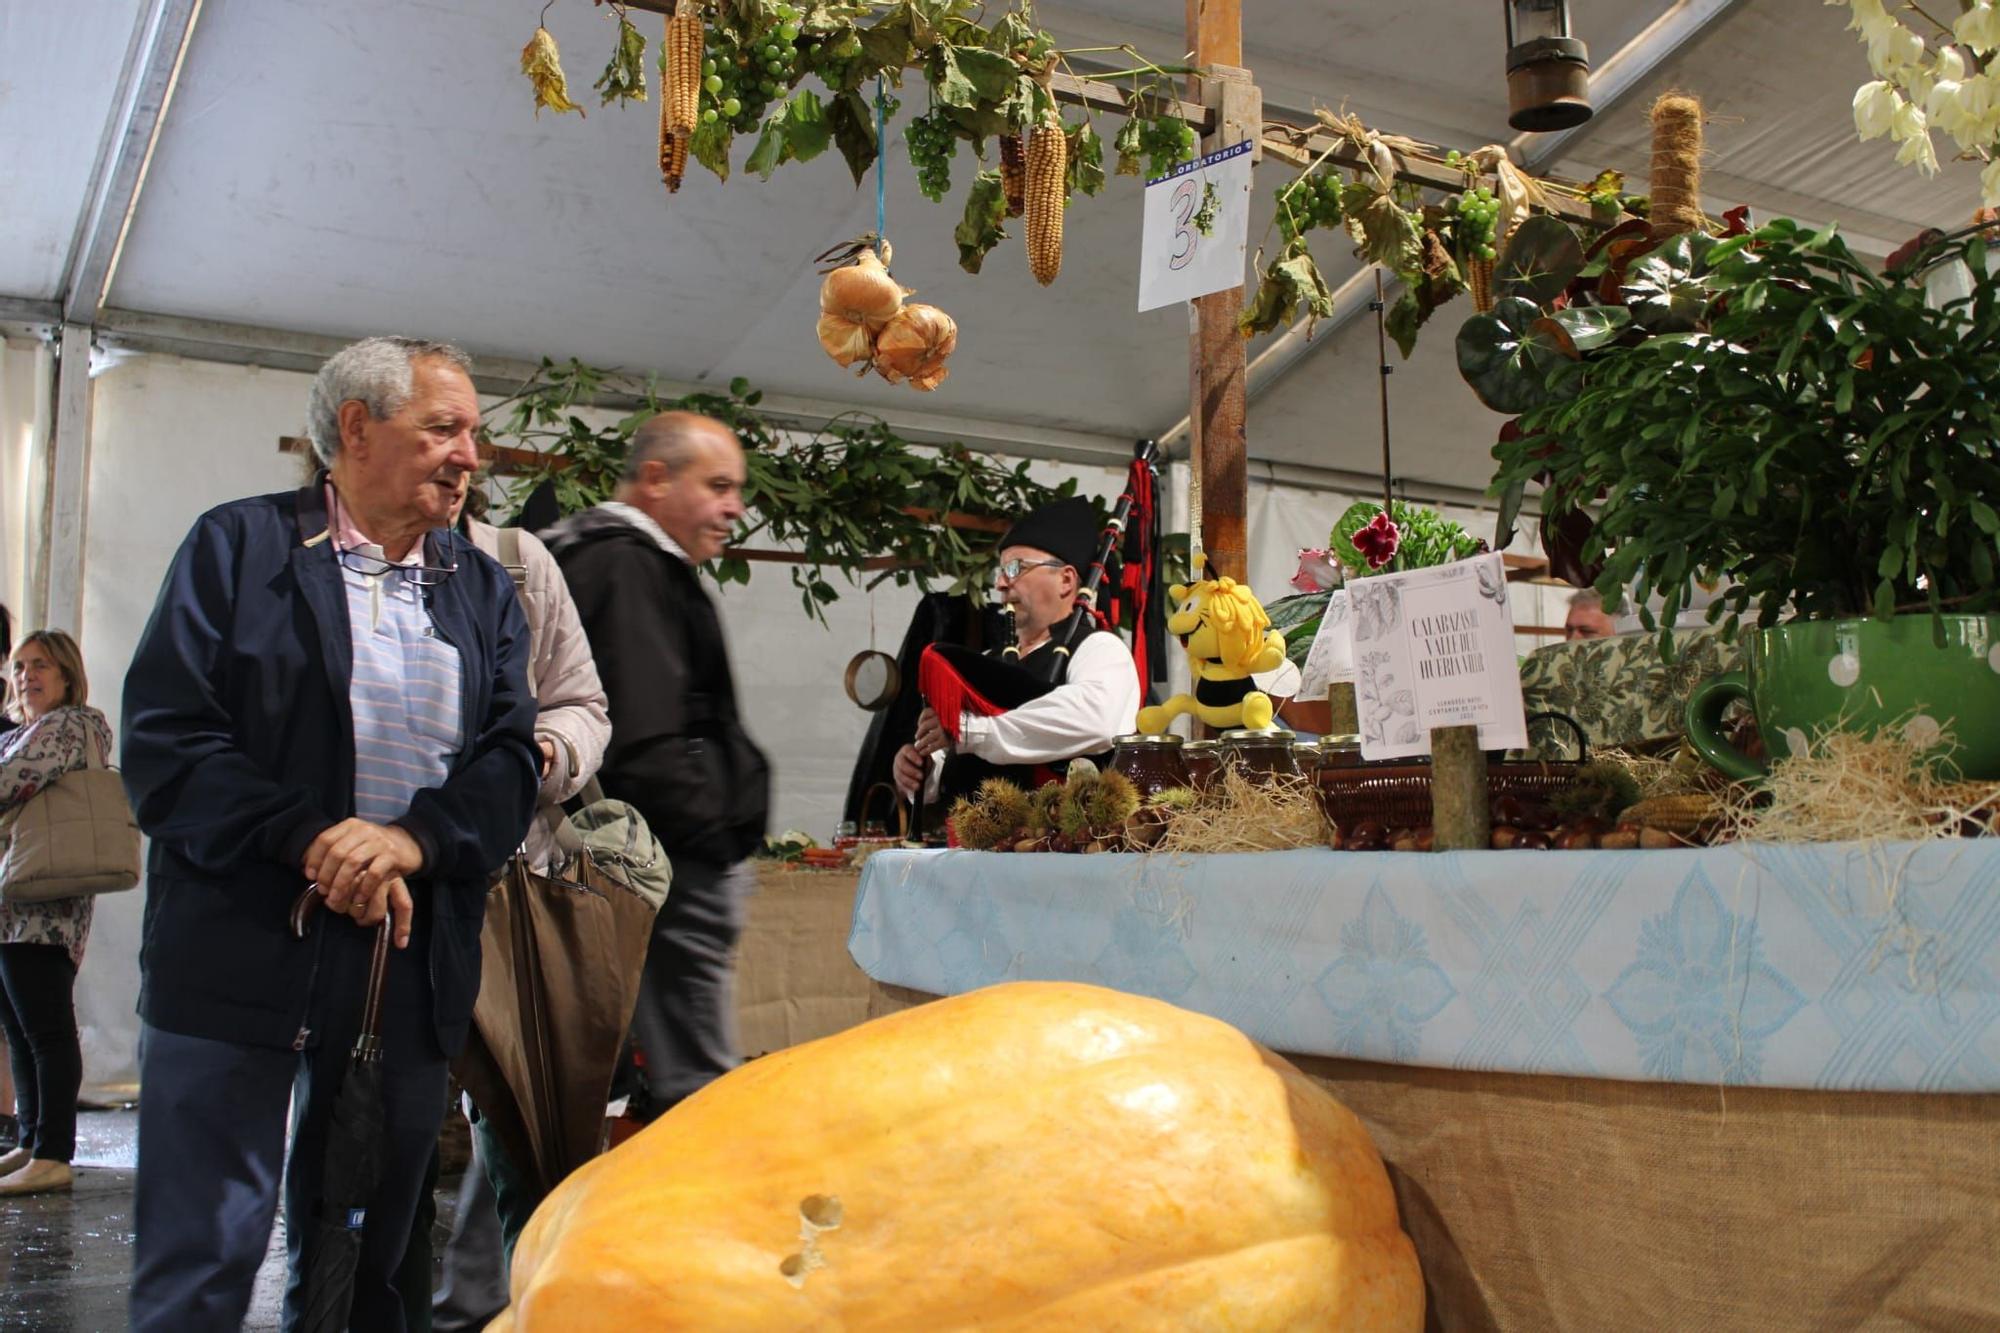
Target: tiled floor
65,1259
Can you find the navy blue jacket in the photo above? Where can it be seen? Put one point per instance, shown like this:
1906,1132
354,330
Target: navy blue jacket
239,751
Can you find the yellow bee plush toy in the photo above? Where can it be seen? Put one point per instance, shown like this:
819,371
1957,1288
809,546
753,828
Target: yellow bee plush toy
1228,638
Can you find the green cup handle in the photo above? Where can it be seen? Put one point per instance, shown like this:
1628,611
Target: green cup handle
1704,727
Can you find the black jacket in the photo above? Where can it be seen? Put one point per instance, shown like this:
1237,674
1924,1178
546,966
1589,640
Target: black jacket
239,751
678,752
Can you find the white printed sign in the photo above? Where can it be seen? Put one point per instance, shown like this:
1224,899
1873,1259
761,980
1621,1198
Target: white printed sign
1435,648
1196,228
1330,660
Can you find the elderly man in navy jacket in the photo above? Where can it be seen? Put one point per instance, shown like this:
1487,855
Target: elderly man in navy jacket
332,691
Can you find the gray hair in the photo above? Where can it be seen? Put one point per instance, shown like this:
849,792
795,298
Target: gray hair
376,372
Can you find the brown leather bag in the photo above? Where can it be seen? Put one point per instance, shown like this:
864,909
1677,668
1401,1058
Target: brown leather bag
74,837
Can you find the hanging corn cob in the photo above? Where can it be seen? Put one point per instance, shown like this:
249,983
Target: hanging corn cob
684,57
673,154
680,96
1047,170
1013,173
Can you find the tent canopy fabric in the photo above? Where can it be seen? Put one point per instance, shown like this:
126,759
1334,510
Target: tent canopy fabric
375,165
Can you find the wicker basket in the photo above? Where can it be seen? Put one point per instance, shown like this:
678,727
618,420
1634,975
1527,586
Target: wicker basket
1399,795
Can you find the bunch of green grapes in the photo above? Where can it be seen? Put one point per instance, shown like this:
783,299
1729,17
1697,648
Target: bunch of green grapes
838,62
1478,212
1167,142
932,142
1311,200
739,81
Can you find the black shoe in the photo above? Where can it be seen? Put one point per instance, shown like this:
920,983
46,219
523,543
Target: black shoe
10,1132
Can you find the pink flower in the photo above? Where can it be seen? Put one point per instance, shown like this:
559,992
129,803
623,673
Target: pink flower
1378,541
1317,572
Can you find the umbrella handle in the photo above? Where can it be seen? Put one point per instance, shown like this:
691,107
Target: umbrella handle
378,964
302,909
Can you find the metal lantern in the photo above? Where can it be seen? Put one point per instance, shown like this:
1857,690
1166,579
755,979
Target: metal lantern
1548,71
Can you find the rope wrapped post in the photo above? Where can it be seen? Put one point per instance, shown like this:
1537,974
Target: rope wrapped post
1675,182
1461,819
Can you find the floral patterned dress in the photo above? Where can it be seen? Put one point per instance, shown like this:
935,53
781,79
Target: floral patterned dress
31,757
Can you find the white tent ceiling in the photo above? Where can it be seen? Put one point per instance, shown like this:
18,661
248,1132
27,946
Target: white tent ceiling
337,169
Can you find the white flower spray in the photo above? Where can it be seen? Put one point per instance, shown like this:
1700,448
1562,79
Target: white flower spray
1923,85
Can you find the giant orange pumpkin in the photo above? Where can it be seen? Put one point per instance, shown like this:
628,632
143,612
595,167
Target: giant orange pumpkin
1029,1156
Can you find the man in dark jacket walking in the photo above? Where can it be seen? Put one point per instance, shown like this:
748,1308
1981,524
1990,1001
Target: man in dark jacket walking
679,752
332,690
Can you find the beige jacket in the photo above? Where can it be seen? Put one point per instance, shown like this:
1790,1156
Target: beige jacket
573,718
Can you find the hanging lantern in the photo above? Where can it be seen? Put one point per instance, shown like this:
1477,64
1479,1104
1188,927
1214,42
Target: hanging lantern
1548,71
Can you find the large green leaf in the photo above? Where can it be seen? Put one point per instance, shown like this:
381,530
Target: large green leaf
1540,259
1508,360
1668,290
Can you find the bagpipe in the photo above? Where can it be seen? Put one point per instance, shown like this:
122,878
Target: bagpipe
955,680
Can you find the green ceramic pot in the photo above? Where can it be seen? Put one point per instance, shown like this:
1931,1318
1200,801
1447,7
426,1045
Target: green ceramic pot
1861,675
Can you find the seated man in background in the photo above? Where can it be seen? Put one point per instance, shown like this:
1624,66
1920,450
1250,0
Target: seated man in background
1096,695
1587,618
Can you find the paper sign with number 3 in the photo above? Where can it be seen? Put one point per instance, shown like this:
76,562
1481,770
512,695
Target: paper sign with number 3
1196,229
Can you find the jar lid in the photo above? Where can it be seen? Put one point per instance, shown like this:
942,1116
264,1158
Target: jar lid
1269,735
1340,742
1143,738
1209,744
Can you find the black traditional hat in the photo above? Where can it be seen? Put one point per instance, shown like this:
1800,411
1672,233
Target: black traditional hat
1066,529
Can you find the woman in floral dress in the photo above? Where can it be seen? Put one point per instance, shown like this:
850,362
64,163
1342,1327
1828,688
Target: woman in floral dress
41,944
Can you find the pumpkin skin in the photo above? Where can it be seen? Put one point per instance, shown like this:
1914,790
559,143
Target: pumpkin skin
1029,1156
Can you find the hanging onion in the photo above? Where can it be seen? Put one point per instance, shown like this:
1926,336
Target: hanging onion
862,292
915,345
845,340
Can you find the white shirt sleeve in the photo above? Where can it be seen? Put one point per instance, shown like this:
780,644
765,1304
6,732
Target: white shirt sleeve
1099,699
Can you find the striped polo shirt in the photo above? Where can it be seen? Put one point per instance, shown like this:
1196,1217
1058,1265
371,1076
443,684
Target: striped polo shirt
406,691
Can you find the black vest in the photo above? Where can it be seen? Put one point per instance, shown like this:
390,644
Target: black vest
964,772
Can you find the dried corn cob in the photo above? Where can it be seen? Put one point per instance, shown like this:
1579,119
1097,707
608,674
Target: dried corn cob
673,154
1479,281
1690,814
1048,167
1013,173
682,103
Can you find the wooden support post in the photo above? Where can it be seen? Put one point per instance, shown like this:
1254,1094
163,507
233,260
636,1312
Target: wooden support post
1218,387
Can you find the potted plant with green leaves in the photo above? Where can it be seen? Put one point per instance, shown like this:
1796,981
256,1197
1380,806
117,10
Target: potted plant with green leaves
1767,413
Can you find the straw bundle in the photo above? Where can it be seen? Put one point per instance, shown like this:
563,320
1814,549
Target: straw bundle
1242,816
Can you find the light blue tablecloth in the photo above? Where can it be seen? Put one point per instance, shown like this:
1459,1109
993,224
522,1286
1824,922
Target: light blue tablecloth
1781,966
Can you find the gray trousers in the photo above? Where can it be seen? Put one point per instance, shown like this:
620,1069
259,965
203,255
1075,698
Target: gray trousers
685,1021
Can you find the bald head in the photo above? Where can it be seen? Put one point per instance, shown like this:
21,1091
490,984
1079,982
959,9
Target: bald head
686,472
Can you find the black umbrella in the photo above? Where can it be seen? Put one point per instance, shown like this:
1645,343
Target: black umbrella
352,1165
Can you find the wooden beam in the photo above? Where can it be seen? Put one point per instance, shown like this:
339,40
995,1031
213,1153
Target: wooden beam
1300,145
506,461
1218,400
1096,96
872,564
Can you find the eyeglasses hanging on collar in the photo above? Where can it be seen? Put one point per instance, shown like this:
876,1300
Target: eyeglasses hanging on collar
418,575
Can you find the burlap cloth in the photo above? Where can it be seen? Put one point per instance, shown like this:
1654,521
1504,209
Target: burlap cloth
1566,1203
